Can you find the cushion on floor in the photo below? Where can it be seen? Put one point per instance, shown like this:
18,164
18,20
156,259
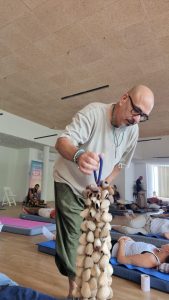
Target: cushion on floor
48,247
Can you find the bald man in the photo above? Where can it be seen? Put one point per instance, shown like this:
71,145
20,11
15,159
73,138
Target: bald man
98,128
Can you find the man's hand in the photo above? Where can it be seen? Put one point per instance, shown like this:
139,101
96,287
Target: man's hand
88,162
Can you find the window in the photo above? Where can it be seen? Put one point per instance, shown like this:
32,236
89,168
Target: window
160,180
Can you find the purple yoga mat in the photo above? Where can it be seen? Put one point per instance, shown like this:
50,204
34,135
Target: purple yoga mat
16,222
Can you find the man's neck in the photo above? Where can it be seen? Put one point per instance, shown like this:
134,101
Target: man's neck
113,115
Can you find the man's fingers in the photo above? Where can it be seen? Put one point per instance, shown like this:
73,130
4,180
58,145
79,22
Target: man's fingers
88,162
86,171
94,156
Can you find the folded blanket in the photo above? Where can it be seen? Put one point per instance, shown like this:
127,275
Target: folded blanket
151,272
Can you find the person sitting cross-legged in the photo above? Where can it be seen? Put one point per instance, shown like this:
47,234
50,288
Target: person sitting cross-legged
33,198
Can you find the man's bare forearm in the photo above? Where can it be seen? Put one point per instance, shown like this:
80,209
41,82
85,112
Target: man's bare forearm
66,148
87,161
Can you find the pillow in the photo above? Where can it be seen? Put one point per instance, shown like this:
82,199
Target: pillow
154,205
164,268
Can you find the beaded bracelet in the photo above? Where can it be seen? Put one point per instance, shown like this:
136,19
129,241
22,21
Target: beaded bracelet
77,155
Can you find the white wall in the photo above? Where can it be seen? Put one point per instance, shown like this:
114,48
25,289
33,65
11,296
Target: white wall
15,167
21,180
120,182
129,182
50,191
125,182
8,163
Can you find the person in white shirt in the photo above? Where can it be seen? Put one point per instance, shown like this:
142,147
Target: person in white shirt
98,128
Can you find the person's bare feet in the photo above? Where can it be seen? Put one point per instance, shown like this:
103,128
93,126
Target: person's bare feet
166,235
72,286
25,211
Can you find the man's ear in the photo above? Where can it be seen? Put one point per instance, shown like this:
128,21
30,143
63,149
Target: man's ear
123,99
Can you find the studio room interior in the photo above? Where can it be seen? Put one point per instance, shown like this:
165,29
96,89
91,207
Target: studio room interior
84,159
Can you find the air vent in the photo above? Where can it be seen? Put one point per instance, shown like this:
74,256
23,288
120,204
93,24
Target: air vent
45,136
160,157
149,140
85,92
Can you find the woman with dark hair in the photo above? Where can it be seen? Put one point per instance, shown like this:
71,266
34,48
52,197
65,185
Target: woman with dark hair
140,254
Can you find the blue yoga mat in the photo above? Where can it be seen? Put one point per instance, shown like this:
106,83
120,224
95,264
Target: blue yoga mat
133,274
151,272
128,272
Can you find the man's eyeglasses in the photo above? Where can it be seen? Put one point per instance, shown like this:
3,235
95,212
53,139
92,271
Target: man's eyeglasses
136,111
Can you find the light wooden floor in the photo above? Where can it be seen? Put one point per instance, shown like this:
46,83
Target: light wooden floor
20,260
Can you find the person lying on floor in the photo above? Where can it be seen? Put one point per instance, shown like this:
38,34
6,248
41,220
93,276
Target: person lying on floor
42,212
144,224
139,254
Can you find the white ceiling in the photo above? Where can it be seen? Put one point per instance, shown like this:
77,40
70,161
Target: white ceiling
53,48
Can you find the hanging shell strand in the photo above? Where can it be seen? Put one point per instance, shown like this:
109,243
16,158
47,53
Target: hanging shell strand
94,272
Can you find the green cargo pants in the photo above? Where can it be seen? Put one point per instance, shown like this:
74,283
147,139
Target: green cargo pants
68,221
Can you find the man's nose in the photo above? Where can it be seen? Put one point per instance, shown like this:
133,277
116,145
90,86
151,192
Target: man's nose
136,118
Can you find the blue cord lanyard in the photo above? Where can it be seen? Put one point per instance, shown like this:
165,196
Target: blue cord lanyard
97,179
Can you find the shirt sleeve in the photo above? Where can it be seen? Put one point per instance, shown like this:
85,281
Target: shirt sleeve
80,129
129,152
